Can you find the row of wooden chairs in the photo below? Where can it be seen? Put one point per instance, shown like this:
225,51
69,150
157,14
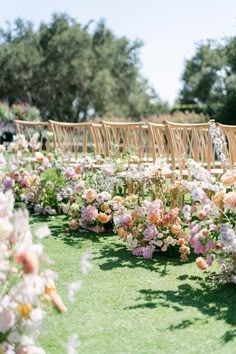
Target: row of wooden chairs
149,141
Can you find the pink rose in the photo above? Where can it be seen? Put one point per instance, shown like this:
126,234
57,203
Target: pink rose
230,200
108,170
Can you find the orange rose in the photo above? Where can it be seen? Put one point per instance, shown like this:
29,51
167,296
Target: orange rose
90,195
103,218
153,218
181,241
201,263
78,170
229,178
121,232
175,229
218,199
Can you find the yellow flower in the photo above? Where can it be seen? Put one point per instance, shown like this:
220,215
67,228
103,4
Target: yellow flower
24,310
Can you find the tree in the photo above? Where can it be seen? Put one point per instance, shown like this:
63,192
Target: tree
209,81
68,72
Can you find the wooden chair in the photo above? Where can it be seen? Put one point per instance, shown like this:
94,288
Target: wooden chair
98,134
229,132
158,141
189,141
125,138
71,139
28,129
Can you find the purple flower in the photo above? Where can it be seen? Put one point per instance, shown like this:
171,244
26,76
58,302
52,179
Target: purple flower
8,183
69,172
138,251
103,196
124,219
88,214
150,232
148,252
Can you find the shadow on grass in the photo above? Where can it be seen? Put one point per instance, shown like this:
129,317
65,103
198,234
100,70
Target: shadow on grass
116,255
212,299
58,225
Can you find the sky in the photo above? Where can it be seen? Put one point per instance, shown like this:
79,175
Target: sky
169,29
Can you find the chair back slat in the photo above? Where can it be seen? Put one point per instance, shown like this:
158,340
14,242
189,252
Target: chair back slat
229,133
189,141
28,129
71,139
122,138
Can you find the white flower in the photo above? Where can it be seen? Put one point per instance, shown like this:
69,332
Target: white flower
36,315
6,204
85,265
73,288
72,344
42,232
131,242
5,228
7,316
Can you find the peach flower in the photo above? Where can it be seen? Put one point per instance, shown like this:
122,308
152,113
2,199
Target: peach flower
181,241
183,235
201,215
78,170
230,200
121,232
29,261
117,199
57,301
90,195
104,207
103,218
175,229
229,178
201,263
204,232
39,156
80,186
153,218
74,224
50,156
218,199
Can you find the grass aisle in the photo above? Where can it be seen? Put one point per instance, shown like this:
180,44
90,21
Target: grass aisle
129,305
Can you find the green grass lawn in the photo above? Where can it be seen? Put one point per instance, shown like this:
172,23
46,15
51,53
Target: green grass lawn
131,305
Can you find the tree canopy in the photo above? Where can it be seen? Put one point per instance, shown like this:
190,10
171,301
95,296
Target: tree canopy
70,72
209,81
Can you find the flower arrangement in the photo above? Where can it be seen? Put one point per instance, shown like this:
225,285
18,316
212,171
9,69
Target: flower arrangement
24,290
94,210
150,227
212,224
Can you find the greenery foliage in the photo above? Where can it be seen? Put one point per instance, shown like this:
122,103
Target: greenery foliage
209,81
70,72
